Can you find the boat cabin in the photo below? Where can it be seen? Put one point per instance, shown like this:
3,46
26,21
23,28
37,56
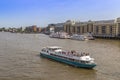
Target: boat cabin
52,49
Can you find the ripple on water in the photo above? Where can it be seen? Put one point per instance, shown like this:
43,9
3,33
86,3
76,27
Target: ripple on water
20,60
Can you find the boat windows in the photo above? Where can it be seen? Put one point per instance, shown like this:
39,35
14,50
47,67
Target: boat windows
43,50
87,61
53,49
84,62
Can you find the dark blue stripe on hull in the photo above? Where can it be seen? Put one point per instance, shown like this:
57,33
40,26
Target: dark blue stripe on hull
73,63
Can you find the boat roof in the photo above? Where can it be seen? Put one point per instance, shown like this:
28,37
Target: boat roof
52,47
59,50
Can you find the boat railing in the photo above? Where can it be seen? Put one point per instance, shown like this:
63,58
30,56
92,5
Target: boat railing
72,53
72,57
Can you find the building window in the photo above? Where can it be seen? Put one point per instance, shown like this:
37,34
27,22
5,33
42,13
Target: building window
73,29
69,30
66,28
111,30
119,29
97,29
91,28
87,28
103,29
78,29
83,29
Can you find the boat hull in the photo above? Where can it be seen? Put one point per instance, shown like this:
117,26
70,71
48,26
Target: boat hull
69,62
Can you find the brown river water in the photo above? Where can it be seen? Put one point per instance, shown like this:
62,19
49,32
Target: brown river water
20,59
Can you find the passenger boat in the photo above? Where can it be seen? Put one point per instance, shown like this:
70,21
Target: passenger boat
54,35
79,37
89,36
61,35
73,58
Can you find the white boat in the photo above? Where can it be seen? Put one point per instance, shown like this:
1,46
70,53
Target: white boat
89,36
61,35
54,35
73,58
79,37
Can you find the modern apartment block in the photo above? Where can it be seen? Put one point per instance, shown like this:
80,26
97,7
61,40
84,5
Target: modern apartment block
102,28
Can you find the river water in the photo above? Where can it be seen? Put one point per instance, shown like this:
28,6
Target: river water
20,60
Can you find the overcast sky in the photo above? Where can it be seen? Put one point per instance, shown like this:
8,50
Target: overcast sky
17,13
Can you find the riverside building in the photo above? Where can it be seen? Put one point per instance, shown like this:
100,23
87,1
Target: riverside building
102,28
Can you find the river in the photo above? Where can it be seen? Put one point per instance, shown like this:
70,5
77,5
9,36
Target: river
20,60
